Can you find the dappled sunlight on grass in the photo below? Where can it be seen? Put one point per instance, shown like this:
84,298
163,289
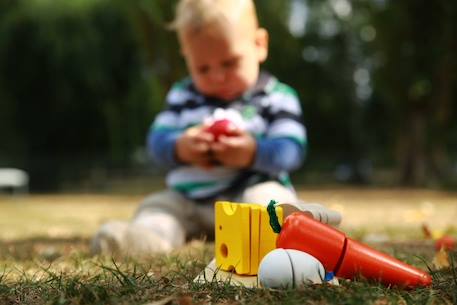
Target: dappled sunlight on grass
389,213
61,215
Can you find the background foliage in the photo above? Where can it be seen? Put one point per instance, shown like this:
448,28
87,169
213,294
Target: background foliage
81,81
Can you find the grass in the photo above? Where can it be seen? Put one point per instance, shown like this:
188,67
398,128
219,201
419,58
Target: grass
71,276
54,267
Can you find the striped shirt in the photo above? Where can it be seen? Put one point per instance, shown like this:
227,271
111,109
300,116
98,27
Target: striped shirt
270,111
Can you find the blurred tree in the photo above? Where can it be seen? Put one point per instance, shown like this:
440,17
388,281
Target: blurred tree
80,82
416,47
10,144
158,44
393,70
79,95
322,63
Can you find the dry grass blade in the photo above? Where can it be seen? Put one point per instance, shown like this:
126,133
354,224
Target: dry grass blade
441,259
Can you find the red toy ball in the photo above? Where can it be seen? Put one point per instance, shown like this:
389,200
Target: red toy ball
446,242
221,127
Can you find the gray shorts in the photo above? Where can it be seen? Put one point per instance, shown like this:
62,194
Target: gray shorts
197,217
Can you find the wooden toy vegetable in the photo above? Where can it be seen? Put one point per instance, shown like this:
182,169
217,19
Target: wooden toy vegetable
342,255
283,268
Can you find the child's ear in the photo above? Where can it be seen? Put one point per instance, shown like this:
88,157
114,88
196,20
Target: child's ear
261,41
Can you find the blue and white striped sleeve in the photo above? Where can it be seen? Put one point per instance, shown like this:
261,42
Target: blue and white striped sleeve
277,155
165,130
161,143
284,146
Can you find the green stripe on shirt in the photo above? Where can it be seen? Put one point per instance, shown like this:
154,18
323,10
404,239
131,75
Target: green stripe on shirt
164,128
193,186
283,88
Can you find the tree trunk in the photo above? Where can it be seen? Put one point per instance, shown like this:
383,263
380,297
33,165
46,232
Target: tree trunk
412,151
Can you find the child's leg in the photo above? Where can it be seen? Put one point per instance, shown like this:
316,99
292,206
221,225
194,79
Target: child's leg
262,193
158,226
163,224
109,238
170,215
154,231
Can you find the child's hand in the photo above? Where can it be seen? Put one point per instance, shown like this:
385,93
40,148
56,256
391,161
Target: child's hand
237,150
193,147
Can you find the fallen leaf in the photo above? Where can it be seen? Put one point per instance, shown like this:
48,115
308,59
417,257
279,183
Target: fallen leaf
185,300
441,259
426,231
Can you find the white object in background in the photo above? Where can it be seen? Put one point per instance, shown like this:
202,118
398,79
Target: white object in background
282,268
14,178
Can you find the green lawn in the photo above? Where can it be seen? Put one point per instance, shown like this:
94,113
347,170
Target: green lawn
44,253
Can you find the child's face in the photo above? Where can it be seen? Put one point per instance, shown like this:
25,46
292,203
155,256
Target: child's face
224,63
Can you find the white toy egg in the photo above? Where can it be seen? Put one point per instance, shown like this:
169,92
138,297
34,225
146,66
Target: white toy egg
282,268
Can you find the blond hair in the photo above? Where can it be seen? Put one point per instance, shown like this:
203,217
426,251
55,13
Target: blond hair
193,15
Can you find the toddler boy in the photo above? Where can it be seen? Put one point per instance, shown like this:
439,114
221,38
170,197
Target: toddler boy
223,47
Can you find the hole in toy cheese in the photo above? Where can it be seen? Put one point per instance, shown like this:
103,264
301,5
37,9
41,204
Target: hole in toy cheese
224,250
